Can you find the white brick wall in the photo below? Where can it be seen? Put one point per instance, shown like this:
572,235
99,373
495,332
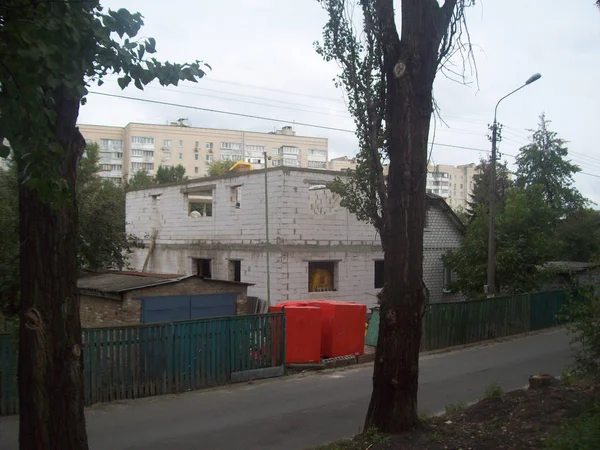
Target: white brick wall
304,225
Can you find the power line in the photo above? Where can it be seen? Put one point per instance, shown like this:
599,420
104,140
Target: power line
217,111
315,110
323,127
273,90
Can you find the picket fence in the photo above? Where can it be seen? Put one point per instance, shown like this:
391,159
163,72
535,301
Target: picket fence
145,360
459,323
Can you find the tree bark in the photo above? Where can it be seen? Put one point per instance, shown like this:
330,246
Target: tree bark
410,68
51,396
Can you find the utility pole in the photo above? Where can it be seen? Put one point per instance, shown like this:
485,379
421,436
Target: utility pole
267,231
491,274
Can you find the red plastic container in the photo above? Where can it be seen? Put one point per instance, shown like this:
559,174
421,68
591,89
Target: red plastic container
342,327
303,333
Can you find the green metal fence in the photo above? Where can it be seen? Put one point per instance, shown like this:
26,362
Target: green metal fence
450,324
144,360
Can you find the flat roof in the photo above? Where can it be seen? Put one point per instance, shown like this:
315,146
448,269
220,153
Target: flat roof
204,128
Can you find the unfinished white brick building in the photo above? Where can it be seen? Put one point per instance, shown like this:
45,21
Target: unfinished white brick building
216,227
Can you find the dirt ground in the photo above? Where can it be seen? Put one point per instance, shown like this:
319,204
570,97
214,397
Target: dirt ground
520,419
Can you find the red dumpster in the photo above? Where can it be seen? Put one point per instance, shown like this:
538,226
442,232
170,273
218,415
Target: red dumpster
342,327
303,333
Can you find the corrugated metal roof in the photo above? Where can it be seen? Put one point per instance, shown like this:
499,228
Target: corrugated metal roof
121,282
116,282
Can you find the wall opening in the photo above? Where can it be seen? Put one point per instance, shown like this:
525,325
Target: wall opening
203,267
322,276
379,274
200,203
236,196
235,270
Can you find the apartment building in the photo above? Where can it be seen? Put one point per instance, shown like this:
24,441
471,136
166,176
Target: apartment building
125,150
317,248
453,183
343,163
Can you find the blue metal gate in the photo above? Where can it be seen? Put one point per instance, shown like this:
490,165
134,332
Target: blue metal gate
184,307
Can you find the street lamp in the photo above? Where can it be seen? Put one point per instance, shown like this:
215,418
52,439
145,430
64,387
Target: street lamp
491,275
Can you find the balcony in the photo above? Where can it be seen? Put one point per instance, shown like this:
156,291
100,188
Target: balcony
111,174
136,146
291,150
140,159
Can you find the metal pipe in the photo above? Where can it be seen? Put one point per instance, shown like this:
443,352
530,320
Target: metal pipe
267,231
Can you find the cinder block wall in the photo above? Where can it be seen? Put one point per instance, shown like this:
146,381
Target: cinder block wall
105,312
304,225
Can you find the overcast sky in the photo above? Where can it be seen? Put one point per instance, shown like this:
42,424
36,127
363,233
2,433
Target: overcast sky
264,64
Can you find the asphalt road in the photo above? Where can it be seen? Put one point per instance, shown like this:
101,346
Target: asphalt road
303,411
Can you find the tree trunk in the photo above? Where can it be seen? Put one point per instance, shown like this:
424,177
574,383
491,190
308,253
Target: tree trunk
410,68
50,347
393,406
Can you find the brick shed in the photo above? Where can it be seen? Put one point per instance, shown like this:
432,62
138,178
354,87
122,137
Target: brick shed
128,298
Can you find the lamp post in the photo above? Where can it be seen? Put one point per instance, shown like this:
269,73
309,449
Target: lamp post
491,275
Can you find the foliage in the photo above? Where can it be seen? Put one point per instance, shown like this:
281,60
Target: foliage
577,237
482,182
103,241
578,433
140,179
9,240
493,390
522,244
462,215
568,378
47,35
218,168
364,78
582,314
543,162
170,174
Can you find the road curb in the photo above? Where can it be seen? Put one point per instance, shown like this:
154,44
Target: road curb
369,356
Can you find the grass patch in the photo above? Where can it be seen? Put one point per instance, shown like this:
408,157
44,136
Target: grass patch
494,390
455,408
579,433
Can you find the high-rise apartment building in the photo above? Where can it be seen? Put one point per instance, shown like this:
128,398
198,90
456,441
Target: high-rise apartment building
125,150
453,183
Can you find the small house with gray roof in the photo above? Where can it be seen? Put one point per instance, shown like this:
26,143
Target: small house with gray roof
129,298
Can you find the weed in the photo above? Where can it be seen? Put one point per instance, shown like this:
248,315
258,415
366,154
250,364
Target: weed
425,418
494,390
568,378
374,436
455,408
